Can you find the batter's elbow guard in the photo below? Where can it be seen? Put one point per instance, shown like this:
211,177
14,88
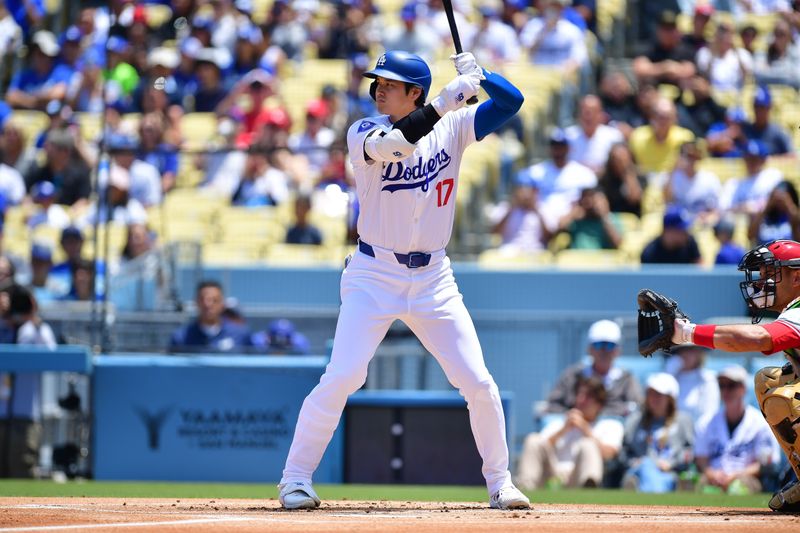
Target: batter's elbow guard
389,146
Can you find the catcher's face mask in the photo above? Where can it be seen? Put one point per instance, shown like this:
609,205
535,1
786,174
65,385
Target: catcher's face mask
762,272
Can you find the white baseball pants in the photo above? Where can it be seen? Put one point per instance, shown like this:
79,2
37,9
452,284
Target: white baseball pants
375,292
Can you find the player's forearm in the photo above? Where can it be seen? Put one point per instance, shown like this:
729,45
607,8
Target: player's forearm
732,338
505,100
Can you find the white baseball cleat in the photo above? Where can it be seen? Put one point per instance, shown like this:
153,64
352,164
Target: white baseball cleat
298,495
509,498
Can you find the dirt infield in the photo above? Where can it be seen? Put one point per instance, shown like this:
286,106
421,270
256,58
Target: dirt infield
151,515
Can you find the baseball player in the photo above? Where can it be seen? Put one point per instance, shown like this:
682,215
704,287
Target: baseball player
406,163
772,283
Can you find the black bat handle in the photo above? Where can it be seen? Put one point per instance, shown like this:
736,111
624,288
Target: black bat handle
451,20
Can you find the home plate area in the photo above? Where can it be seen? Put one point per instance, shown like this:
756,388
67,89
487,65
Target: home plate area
178,515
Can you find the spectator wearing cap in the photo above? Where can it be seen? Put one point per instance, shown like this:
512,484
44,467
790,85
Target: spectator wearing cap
47,211
774,137
495,42
559,180
675,245
358,103
119,207
697,39
284,339
255,87
41,265
154,149
246,55
414,35
316,139
698,392
656,146
727,66
727,139
261,183
143,179
12,185
43,80
695,191
65,169
551,40
658,440
60,116
624,392
85,93
780,63
119,71
780,218
733,445
590,223
749,194
591,140
621,181
519,222
729,252
158,90
71,49
702,111
210,90
670,60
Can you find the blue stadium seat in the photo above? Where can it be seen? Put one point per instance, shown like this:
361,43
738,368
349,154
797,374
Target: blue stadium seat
640,367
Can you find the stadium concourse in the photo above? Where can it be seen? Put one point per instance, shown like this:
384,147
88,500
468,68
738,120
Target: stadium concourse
234,516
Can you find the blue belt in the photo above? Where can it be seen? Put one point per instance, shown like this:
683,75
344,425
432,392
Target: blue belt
412,260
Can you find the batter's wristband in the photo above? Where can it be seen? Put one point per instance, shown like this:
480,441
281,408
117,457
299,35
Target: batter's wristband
704,335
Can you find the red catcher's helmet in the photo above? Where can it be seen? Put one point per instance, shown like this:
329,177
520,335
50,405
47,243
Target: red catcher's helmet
762,270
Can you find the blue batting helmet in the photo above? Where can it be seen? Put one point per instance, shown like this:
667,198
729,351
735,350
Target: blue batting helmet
401,66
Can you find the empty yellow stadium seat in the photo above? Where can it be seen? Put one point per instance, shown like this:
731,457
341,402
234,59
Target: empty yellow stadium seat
591,259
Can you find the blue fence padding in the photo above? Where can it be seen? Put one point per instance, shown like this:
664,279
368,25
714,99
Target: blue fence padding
412,398
26,358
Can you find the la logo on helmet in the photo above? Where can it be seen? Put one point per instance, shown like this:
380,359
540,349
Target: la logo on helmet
381,61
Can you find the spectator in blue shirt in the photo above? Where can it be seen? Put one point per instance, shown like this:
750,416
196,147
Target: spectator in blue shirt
26,13
210,332
283,339
303,232
42,81
246,56
210,91
727,139
775,138
675,244
729,252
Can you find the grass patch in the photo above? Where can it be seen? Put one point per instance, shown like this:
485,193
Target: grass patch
114,489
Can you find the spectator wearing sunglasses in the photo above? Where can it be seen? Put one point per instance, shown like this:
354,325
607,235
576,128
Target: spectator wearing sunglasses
624,392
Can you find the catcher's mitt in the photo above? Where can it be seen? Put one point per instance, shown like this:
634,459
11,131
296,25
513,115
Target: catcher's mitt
657,314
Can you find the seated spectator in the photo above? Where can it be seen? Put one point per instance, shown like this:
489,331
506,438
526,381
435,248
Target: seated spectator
780,64
144,179
729,252
47,211
727,139
249,39
670,60
138,241
732,446
590,224
695,191
441,27
414,35
12,185
303,232
559,180
495,41
210,88
656,146
675,245
64,169
658,439
774,137
261,183
623,391
154,150
748,34
590,140
727,66
572,450
43,80
315,141
621,181
551,40
210,332
119,207
121,75
698,392
85,91
83,287
15,150
619,102
780,218
254,88
520,222
750,194
697,39
358,103
283,339
703,111
225,164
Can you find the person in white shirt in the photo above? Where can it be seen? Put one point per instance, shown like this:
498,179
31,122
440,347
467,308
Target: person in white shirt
750,193
261,183
144,179
757,7
415,36
734,444
572,450
590,140
696,191
699,391
727,66
520,222
495,42
560,181
12,185
315,141
48,212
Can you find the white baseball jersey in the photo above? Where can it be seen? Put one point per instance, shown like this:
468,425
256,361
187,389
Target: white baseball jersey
751,441
409,206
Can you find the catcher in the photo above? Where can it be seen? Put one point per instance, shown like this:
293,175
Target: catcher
772,283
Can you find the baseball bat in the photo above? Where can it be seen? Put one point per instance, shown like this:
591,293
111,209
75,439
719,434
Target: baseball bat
451,19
